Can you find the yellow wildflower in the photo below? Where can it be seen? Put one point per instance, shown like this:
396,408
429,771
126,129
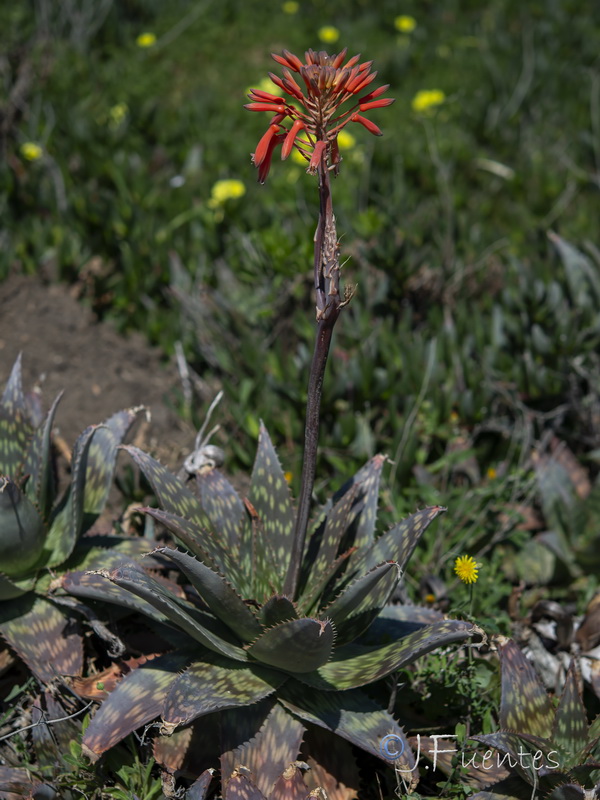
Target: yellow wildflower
427,99
288,477
291,7
328,34
117,114
405,24
222,191
466,569
31,151
345,140
491,473
146,39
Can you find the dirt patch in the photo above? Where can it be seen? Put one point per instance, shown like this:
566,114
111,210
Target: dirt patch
65,348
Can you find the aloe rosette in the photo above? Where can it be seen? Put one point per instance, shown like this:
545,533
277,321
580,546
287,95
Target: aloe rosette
264,667
41,529
550,747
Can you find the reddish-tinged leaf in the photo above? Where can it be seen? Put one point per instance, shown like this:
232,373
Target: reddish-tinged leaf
213,685
366,123
265,738
40,633
240,786
525,705
137,700
570,728
15,425
198,789
332,765
300,645
351,715
356,665
290,785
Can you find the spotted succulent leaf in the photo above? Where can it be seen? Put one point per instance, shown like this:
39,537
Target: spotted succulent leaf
352,715
137,700
366,595
23,532
264,737
220,597
11,587
133,578
68,520
354,665
398,543
213,685
199,788
324,544
511,744
38,465
299,645
318,592
270,496
360,523
222,505
172,494
570,727
290,785
569,791
15,424
277,609
525,705
43,636
241,787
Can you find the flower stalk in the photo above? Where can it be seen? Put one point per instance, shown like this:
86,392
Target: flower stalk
316,120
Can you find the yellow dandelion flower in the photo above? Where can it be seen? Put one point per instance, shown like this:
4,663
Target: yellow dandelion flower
427,99
31,151
291,7
405,24
345,140
328,34
222,191
430,598
117,114
491,473
146,39
466,569
454,418
288,477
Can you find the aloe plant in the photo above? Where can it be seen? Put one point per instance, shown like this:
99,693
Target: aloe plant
41,527
550,748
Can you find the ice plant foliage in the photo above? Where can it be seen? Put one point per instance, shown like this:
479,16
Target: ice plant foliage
310,118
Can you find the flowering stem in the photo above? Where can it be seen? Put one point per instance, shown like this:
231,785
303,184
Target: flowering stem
329,305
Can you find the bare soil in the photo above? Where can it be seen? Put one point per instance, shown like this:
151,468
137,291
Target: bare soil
65,348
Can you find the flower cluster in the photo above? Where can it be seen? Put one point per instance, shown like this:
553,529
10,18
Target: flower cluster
313,110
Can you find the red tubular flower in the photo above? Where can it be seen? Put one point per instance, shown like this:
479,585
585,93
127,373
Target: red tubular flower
315,109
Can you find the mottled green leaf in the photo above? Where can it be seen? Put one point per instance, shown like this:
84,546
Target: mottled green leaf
370,592
315,589
525,706
11,588
199,542
15,425
68,521
398,543
299,645
220,597
215,684
22,531
351,715
48,641
223,506
38,465
137,700
277,609
171,492
516,746
324,543
570,727
360,523
102,458
354,665
264,737
270,496
133,578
